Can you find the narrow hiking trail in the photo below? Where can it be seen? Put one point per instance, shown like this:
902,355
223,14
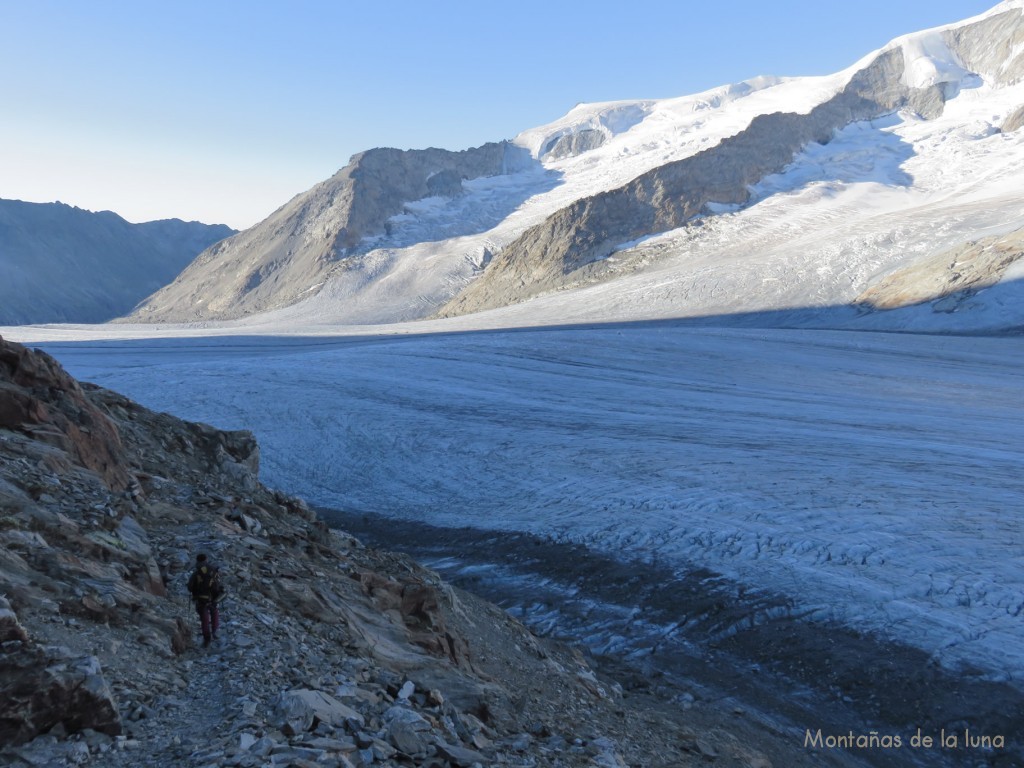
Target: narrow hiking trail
187,725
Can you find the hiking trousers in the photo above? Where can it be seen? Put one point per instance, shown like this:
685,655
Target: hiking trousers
209,618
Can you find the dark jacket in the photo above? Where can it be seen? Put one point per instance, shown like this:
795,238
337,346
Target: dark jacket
204,583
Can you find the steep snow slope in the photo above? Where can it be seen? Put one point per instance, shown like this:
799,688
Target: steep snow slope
884,198
914,77
64,264
810,248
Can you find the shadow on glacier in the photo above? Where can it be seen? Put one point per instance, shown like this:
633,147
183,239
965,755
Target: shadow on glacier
674,632
995,311
992,311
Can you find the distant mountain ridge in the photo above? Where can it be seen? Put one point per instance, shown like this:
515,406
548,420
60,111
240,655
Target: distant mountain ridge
294,250
613,193
61,264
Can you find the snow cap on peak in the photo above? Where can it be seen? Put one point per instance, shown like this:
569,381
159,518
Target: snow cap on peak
602,119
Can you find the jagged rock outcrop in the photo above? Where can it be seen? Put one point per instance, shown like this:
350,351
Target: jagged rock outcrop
547,256
329,653
572,144
584,128
992,47
293,251
1014,121
949,277
65,265
39,398
46,687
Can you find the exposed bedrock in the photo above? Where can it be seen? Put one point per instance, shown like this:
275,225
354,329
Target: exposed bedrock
1014,121
43,686
948,278
39,398
993,47
290,253
572,144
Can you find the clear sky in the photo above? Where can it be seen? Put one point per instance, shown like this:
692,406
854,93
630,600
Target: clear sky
221,111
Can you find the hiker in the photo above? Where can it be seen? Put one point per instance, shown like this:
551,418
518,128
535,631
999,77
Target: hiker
205,588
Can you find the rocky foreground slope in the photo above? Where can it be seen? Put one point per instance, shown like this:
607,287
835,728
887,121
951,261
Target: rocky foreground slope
329,654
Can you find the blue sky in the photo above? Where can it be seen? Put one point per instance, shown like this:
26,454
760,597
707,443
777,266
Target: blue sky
222,111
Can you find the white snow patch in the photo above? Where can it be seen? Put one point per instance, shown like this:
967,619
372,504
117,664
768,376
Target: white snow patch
928,61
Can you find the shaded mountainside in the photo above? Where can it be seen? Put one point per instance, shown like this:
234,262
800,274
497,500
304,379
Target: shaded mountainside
63,264
329,653
294,250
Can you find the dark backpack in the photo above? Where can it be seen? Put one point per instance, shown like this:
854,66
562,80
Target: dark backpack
205,583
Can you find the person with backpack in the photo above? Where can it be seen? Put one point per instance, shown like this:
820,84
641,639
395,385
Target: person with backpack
206,590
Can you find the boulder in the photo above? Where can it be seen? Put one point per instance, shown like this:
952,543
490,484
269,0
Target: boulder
459,756
41,687
301,710
10,628
407,731
133,538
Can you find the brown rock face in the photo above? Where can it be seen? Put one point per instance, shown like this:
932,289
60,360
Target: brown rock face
951,276
44,686
291,252
39,398
420,607
41,687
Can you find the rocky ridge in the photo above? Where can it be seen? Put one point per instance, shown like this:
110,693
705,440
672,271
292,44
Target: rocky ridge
360,251
329,653
295,249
